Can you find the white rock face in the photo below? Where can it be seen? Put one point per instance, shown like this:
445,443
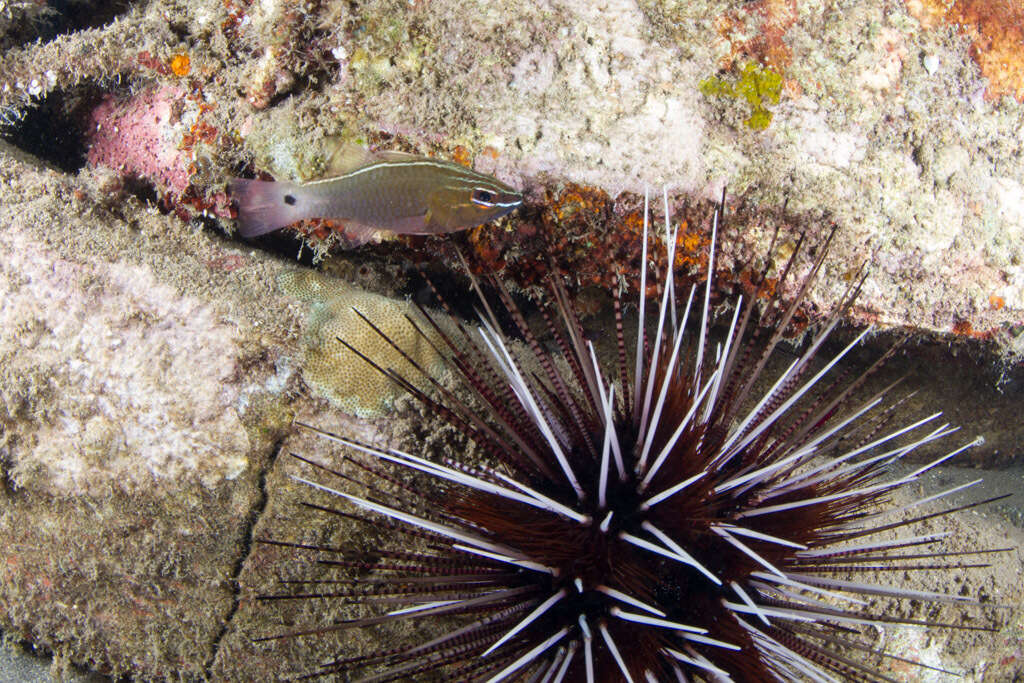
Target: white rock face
117,351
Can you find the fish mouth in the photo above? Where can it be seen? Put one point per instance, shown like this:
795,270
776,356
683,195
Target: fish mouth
505,208
505,204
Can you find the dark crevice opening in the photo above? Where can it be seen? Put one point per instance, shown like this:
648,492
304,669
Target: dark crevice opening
7,485
966,379
456,290
51,129
61,17
76,15
421,277
284,243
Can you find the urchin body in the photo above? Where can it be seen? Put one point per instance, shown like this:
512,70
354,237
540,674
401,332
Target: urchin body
659,524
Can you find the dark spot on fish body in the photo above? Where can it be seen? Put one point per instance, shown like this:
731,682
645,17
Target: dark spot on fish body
289,199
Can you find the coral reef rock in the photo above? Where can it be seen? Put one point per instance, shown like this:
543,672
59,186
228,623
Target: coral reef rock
898,122
150,367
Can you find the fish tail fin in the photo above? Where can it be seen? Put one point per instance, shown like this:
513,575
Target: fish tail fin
265,206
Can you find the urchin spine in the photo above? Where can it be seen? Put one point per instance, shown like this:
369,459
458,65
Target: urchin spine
608,462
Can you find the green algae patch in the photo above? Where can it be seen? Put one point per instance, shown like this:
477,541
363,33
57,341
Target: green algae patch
756,84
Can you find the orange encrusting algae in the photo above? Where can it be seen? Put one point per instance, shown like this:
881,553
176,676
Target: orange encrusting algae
767,42
598,240
996,31
963,328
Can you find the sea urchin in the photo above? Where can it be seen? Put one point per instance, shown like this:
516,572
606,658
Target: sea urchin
662,524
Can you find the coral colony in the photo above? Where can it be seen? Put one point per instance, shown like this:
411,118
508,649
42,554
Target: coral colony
668,522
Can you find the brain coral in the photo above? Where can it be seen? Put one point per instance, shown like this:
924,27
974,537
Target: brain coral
346,380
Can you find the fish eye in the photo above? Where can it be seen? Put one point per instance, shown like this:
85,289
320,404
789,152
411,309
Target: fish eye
482,197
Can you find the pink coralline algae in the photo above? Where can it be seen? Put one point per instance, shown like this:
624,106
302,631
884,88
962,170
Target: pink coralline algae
139,137
148,137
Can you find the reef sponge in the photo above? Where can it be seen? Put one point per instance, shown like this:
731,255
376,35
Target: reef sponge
346,380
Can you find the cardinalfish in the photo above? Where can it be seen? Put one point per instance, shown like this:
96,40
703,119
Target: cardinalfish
403,193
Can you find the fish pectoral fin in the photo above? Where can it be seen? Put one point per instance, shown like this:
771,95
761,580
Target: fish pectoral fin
356,234
412,225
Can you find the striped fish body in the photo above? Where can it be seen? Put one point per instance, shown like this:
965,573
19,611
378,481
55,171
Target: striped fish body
393,191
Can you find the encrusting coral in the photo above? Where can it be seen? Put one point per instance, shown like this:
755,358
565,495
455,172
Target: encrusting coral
336,314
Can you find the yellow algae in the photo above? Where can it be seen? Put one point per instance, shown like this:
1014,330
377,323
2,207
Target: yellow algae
756,84
342,377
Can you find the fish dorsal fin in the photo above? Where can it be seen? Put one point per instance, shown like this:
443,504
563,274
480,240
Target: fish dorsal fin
348,156
395,155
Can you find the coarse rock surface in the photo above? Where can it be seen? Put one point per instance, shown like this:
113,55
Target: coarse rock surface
899,122
142,391
150,366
